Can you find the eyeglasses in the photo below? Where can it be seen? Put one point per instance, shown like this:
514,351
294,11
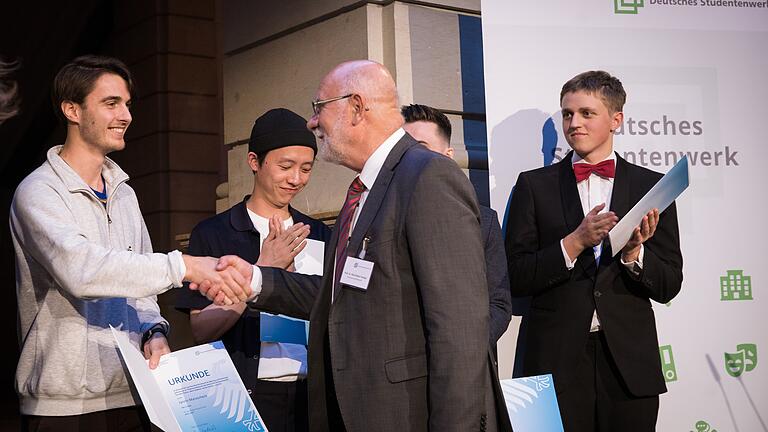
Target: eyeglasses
318,105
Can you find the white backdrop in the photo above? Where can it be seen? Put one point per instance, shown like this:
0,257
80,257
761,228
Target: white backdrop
696,75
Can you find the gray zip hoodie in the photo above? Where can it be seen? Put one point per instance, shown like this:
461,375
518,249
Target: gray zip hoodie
81,267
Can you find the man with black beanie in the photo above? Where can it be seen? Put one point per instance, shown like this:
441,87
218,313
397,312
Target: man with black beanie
263,228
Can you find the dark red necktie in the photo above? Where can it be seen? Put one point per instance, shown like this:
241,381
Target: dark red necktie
605,169
344,222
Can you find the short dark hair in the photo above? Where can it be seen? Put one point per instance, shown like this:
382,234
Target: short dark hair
415,112
9,101
261,157
606,86
76,79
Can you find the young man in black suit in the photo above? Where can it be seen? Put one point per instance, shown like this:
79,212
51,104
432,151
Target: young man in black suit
591,324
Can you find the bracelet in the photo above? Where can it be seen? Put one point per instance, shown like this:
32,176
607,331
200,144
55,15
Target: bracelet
157,328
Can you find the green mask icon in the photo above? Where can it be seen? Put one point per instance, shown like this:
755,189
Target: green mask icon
750,356
744,360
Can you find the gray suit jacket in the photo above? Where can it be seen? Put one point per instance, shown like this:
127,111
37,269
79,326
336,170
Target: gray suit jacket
410,353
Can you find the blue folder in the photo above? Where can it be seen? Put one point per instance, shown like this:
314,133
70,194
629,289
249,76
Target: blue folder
283,329
532,404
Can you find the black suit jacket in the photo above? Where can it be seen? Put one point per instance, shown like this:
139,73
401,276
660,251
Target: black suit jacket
410,353
545,207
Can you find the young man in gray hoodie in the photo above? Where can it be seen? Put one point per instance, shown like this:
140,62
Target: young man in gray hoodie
84,262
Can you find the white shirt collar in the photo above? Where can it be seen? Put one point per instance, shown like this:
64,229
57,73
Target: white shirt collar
376,161
578,159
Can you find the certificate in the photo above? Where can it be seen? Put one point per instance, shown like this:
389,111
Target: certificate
192,390
661,195
310,260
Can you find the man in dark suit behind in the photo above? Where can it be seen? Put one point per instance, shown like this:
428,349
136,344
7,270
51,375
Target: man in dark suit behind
432,129
405,349
591,322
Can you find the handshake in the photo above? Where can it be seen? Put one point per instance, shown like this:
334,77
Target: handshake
227,280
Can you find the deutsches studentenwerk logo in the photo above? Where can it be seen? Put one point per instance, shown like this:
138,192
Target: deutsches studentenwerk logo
735,285
702,426
743,360
667,363
629,7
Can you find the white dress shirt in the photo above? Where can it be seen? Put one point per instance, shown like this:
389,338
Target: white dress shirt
593,191
372,167
368,176
278,361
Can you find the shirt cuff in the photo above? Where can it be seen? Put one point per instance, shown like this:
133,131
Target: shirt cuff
568,263
255,284
178,269
635,267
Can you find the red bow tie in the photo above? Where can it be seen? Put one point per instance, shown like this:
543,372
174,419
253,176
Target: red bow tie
605,169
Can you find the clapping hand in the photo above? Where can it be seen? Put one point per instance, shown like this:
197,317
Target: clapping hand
592,230
282,245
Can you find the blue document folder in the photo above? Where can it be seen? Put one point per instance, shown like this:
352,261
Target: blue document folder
283,329
532,404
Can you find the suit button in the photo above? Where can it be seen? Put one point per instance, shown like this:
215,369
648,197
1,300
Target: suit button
598,293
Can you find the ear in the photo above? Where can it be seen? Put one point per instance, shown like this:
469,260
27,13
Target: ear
253,162
71,111
617,120
358,109
449,152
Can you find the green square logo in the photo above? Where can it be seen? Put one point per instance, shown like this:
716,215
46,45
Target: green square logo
628,7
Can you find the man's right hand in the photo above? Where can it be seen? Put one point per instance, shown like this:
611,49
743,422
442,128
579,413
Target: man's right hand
590,232
231,284
228,263
282,245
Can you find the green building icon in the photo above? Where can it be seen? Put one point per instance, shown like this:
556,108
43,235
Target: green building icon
735,286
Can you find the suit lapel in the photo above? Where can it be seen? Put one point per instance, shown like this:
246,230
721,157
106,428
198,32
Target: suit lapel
574,214
376,195
620,193
375,198
619,204
569,194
